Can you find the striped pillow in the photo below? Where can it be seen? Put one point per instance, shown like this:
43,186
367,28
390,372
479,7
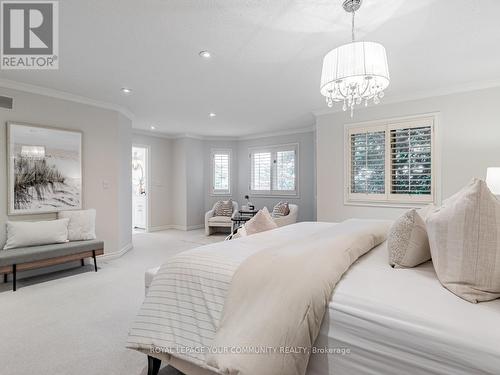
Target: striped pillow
281,209
224,208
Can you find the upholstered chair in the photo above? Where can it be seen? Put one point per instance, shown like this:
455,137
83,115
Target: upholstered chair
215,224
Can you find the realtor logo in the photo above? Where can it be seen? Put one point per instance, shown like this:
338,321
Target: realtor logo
29,35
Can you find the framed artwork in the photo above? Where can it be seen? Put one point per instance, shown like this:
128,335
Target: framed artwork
44,169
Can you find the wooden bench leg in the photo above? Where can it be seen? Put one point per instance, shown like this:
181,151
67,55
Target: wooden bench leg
153,365
4,277
82,262
13,277
95,260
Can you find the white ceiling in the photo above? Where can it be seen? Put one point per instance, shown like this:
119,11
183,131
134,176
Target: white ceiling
267,56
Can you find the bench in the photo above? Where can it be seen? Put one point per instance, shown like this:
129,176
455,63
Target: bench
27,258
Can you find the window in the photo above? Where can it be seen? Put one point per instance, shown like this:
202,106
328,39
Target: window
274,170
221,172
391,162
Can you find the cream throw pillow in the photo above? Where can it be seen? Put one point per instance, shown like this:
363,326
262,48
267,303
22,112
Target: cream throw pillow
464,236
407,242
81,224
261,222
26,233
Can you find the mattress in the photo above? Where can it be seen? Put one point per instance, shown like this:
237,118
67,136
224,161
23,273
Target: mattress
394,321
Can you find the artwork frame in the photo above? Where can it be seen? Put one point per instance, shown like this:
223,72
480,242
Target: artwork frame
54,156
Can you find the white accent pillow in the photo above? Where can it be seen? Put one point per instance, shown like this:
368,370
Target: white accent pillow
464,235
261,222
81,224
26,233
407,241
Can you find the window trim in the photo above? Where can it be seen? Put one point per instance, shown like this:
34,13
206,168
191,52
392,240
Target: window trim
213,152
273,149
388,199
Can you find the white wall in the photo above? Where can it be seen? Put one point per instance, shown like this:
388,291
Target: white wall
195,184
182,168
124,137
210,198
469,139
179,180
177,174
307,176
106,160
160,179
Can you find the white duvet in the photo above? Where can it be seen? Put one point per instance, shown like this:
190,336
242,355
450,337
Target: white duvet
201,300
182,310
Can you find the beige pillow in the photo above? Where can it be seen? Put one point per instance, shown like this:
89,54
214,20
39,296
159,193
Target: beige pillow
261,222
464,236
81,224
34,233
407,242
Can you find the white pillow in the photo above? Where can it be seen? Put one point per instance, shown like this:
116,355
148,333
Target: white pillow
261,222
464,235
81,224
407,241
25,233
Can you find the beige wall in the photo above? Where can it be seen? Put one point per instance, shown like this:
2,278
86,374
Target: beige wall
106,160
468,141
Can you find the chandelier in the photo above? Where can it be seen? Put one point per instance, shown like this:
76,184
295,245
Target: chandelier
355,72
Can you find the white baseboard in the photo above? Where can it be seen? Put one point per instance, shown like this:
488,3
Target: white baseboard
117,254
177,227
197,226
160,228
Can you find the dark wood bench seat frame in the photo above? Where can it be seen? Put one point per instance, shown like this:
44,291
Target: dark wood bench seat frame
14,268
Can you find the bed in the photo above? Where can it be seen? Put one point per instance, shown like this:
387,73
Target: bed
379,320
404,321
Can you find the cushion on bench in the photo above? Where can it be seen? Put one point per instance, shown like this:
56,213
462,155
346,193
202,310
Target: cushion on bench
35,253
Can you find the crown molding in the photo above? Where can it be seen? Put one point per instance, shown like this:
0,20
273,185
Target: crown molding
473,86
155,133
307,129
58,94
159,134
151,133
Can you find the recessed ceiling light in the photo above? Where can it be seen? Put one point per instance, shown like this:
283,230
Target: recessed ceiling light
205,54
211,115
152,127
126,90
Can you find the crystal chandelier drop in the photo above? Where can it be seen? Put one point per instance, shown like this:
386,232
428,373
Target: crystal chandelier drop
355,72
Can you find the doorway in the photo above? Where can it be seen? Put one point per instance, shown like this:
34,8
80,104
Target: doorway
140,190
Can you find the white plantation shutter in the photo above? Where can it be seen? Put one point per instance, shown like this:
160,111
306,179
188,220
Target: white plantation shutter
284,178
391,162
368,162
411,160
221,173
261,171
274,170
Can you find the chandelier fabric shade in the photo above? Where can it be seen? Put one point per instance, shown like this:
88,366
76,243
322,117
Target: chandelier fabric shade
354,72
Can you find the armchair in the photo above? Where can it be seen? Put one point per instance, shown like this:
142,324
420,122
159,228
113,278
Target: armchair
214,223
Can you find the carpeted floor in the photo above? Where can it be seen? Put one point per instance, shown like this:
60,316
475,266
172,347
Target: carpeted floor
75,322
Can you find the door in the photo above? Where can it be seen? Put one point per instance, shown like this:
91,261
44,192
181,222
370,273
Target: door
140,187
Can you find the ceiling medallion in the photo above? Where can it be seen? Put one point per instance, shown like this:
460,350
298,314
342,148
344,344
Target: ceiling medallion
355,72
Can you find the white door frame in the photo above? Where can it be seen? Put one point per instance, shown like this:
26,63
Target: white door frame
148,184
